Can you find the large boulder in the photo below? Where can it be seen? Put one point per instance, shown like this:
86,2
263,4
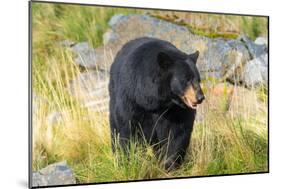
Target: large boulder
88,57
85,55
255,72
54,174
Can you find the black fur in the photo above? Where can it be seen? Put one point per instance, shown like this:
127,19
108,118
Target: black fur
146,79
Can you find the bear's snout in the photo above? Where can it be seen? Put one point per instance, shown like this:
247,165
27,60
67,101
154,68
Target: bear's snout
200,97
192,97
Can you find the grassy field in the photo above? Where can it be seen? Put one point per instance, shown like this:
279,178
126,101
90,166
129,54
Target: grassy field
222,143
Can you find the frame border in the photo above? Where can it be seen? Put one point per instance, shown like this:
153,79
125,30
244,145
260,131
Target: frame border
30,94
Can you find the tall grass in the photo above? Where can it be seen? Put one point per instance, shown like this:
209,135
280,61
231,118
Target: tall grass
220,144
224,142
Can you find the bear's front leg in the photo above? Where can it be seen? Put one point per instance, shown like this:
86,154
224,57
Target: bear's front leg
177,145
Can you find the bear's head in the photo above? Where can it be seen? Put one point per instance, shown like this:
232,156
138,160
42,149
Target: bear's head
184,78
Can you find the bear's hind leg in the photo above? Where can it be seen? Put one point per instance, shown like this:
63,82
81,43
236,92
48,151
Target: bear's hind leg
113,132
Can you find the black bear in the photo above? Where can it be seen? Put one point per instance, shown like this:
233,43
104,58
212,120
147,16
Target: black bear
154,90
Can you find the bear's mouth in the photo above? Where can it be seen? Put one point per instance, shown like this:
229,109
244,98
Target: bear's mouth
189,103
184,103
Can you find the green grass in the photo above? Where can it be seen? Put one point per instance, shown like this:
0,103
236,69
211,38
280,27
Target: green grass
52,23
255,26
220,144
77,23
213,26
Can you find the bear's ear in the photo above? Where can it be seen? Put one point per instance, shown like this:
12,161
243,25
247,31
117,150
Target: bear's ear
194,56
164,60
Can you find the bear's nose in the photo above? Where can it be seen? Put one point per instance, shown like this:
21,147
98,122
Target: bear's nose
200,98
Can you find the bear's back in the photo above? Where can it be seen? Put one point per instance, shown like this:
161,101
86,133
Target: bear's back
135,50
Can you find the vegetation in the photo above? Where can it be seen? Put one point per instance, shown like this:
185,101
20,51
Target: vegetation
214,25
221,143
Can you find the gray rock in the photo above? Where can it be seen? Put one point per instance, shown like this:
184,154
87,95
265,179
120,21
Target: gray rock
115,19
66,43
221,58
216,55
261,41
256,71
255,50
91,89
86,55
109,37
235,59
54,174
238,45
132,26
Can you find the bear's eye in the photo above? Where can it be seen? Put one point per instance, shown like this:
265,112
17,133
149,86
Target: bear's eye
198,80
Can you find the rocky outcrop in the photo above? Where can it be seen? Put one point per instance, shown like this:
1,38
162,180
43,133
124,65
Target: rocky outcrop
239,61
54,174
86,55
217,56
255,49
